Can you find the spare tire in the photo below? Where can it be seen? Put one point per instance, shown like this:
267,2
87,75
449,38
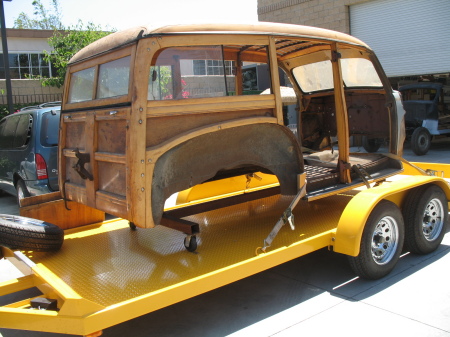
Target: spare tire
21,233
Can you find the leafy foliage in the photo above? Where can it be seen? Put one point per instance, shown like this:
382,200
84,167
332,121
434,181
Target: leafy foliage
43,18
65,41
65,44
4,108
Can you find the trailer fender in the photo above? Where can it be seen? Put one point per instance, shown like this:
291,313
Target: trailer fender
354,217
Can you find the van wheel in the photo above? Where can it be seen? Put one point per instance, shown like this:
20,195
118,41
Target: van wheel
426,218
371,144
22,192
381,242
21,233
420,141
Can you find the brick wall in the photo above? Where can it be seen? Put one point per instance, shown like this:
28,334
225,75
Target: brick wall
29,91
330,14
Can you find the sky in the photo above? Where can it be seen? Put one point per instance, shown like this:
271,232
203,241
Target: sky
129,13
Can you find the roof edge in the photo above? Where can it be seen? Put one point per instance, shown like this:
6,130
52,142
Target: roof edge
122,38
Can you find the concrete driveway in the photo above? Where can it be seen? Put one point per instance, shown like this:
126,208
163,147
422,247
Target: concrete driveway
315,295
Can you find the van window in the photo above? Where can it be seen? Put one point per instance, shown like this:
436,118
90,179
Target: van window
82,85
23,131
8,131
315,76
113,80
200,71
358,72
2,132
50,128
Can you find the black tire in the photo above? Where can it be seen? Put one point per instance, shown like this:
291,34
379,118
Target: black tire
426,219
371,144
21,233
22,192
420,141
381,242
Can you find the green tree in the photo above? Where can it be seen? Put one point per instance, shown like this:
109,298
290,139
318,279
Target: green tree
65,41
43,17
65,44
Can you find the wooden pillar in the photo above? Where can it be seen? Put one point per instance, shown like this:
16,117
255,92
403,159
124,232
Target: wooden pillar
341,117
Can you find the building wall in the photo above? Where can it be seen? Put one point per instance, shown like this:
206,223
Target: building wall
329,14
27,40
29,91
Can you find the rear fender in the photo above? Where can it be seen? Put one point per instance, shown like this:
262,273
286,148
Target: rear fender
267,146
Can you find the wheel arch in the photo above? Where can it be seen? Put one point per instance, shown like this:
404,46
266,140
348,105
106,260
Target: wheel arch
268,146
16,178
351,224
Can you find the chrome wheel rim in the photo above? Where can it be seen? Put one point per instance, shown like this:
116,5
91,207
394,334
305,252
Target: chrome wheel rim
384,240
20,195
432,222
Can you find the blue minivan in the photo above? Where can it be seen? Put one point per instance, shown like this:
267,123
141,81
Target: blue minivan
29,151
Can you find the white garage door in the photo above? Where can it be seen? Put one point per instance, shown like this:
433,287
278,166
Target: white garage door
410,37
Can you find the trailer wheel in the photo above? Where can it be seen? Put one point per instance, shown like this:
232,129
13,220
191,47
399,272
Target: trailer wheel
371,144
381,242
426,218
190,243
21,233
420,141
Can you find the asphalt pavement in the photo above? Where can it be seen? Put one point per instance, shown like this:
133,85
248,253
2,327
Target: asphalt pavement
315,295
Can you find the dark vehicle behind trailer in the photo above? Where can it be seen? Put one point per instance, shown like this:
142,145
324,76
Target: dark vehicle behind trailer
427,114
29,150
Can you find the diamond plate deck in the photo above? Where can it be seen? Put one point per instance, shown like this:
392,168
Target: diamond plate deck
110,263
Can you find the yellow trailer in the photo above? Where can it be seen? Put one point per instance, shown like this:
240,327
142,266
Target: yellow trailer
107,273
145,116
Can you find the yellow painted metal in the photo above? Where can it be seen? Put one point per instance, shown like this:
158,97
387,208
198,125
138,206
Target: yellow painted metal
106,274
12,286
438,168
227,187
351,224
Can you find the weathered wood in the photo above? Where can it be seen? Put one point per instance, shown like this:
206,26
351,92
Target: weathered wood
137,180
164,129
114,203
185,226
39,199
275,81
210,105
51,208
341,117
92,167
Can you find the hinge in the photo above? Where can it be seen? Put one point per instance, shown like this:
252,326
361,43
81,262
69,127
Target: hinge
335,56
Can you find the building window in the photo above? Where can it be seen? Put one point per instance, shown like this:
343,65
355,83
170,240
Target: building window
25,65
212,67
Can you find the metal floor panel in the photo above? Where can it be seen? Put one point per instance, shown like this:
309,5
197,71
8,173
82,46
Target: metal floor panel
111,263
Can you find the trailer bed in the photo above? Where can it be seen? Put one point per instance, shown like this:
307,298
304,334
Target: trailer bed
109,266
